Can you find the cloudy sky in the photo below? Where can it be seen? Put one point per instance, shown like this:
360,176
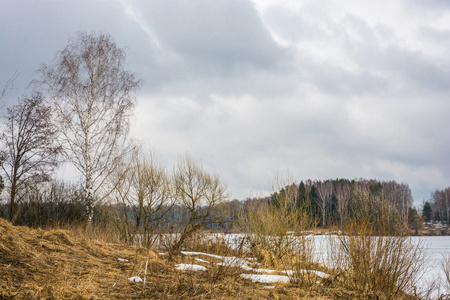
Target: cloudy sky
317,88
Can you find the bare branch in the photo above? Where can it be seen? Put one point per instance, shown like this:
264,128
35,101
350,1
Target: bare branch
9,84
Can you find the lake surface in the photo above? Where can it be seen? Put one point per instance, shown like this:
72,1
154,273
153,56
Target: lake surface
436,249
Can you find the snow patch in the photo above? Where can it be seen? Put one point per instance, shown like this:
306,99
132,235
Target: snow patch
262,270
135,279
227,261
266,278
190,267
122,259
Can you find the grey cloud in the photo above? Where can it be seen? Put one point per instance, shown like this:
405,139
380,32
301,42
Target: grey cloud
403,70
225,34
287,130
438,5
422,72
376,66
213,48
338,81
33,31
206,48
437,36
332,78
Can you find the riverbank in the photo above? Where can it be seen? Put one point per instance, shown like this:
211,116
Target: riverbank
77,264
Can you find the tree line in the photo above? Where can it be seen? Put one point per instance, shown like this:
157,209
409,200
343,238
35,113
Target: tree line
437,208
332,202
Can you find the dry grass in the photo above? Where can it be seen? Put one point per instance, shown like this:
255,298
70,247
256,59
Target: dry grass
275,233
81,263
37,264
61,264
278,236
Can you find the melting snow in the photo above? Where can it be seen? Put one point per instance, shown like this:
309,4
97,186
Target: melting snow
244,263
266,278
135,279
229,261
190,267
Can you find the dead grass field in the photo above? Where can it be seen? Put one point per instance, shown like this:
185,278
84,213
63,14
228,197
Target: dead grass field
82,264
60,264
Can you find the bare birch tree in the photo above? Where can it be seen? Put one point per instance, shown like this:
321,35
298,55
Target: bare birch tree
93,99
440,202
325,191
29,152
343,193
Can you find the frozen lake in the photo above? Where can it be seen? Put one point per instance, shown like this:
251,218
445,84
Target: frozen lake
436,249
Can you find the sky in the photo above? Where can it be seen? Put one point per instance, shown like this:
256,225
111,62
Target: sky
316,89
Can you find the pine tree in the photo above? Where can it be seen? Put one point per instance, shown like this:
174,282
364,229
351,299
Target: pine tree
303,196
427,212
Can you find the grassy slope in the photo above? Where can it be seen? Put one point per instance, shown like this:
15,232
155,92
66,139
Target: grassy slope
57,264
46,264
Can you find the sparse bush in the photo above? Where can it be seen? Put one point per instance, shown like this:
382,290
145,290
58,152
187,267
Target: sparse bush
198,193
141,197
375,259
275,231
51,203
383,265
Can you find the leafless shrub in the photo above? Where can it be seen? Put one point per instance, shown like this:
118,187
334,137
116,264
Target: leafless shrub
198,193
50,203
142,197
368,258
275,231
